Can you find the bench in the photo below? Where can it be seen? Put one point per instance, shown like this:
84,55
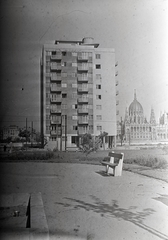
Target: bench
115,163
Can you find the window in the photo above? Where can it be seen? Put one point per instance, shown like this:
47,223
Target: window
53,139
75,117
48,53
98,117
64,95
89,106
97,56
74,85
47,117
64,85
75,106
64,74
47,69
74,54
91,127
98,96
72,74
47,79
98,76
47,95
74,139
74,64
98,86
63,64
74,95
64,106
99,128
98,66
98,107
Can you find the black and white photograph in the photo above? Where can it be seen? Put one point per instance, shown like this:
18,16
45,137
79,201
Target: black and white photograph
84,120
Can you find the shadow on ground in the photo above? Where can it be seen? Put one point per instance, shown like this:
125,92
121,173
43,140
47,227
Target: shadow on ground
115,211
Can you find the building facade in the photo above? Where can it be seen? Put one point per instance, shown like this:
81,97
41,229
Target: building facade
11,131
162,128
78,92
139,130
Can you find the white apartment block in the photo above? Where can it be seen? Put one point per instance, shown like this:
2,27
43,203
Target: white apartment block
78,92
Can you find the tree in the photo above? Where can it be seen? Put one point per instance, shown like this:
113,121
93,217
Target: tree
122,131
25,134
41,139
90,144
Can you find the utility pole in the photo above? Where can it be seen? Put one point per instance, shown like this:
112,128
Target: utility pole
65,132
26,134
31,132
61,135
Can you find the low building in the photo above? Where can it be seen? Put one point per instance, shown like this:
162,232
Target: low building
11,131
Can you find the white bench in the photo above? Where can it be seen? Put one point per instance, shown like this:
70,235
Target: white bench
112,167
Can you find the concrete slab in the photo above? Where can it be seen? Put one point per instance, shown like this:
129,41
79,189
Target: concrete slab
22,217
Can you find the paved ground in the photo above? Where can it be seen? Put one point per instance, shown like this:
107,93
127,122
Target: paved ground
82,203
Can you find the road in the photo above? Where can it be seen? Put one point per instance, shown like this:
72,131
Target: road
82,203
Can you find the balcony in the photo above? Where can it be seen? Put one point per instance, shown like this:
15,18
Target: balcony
56,78
56,100
56,57
117,92
55,89
83,57
81,110
82,131
83,78
83,67
55,67
55,110
83,100
83,121
56,121
55,132
116,82
83,89
117,102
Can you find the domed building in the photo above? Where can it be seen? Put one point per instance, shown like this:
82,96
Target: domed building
137,128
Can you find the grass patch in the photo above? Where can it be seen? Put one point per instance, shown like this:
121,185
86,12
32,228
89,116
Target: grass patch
150,161
31,155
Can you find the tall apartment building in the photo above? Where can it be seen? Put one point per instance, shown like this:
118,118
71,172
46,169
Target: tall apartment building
78,92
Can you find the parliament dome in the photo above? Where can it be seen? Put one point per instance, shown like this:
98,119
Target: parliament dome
135,107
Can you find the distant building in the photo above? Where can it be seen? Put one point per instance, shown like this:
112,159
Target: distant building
9,132
78,92
162,128
139,130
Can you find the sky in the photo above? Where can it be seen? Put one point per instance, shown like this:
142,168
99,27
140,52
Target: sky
136,29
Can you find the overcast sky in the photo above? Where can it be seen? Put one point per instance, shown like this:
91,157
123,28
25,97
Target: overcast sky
137,29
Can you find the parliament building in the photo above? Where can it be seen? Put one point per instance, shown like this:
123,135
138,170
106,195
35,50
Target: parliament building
138,129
